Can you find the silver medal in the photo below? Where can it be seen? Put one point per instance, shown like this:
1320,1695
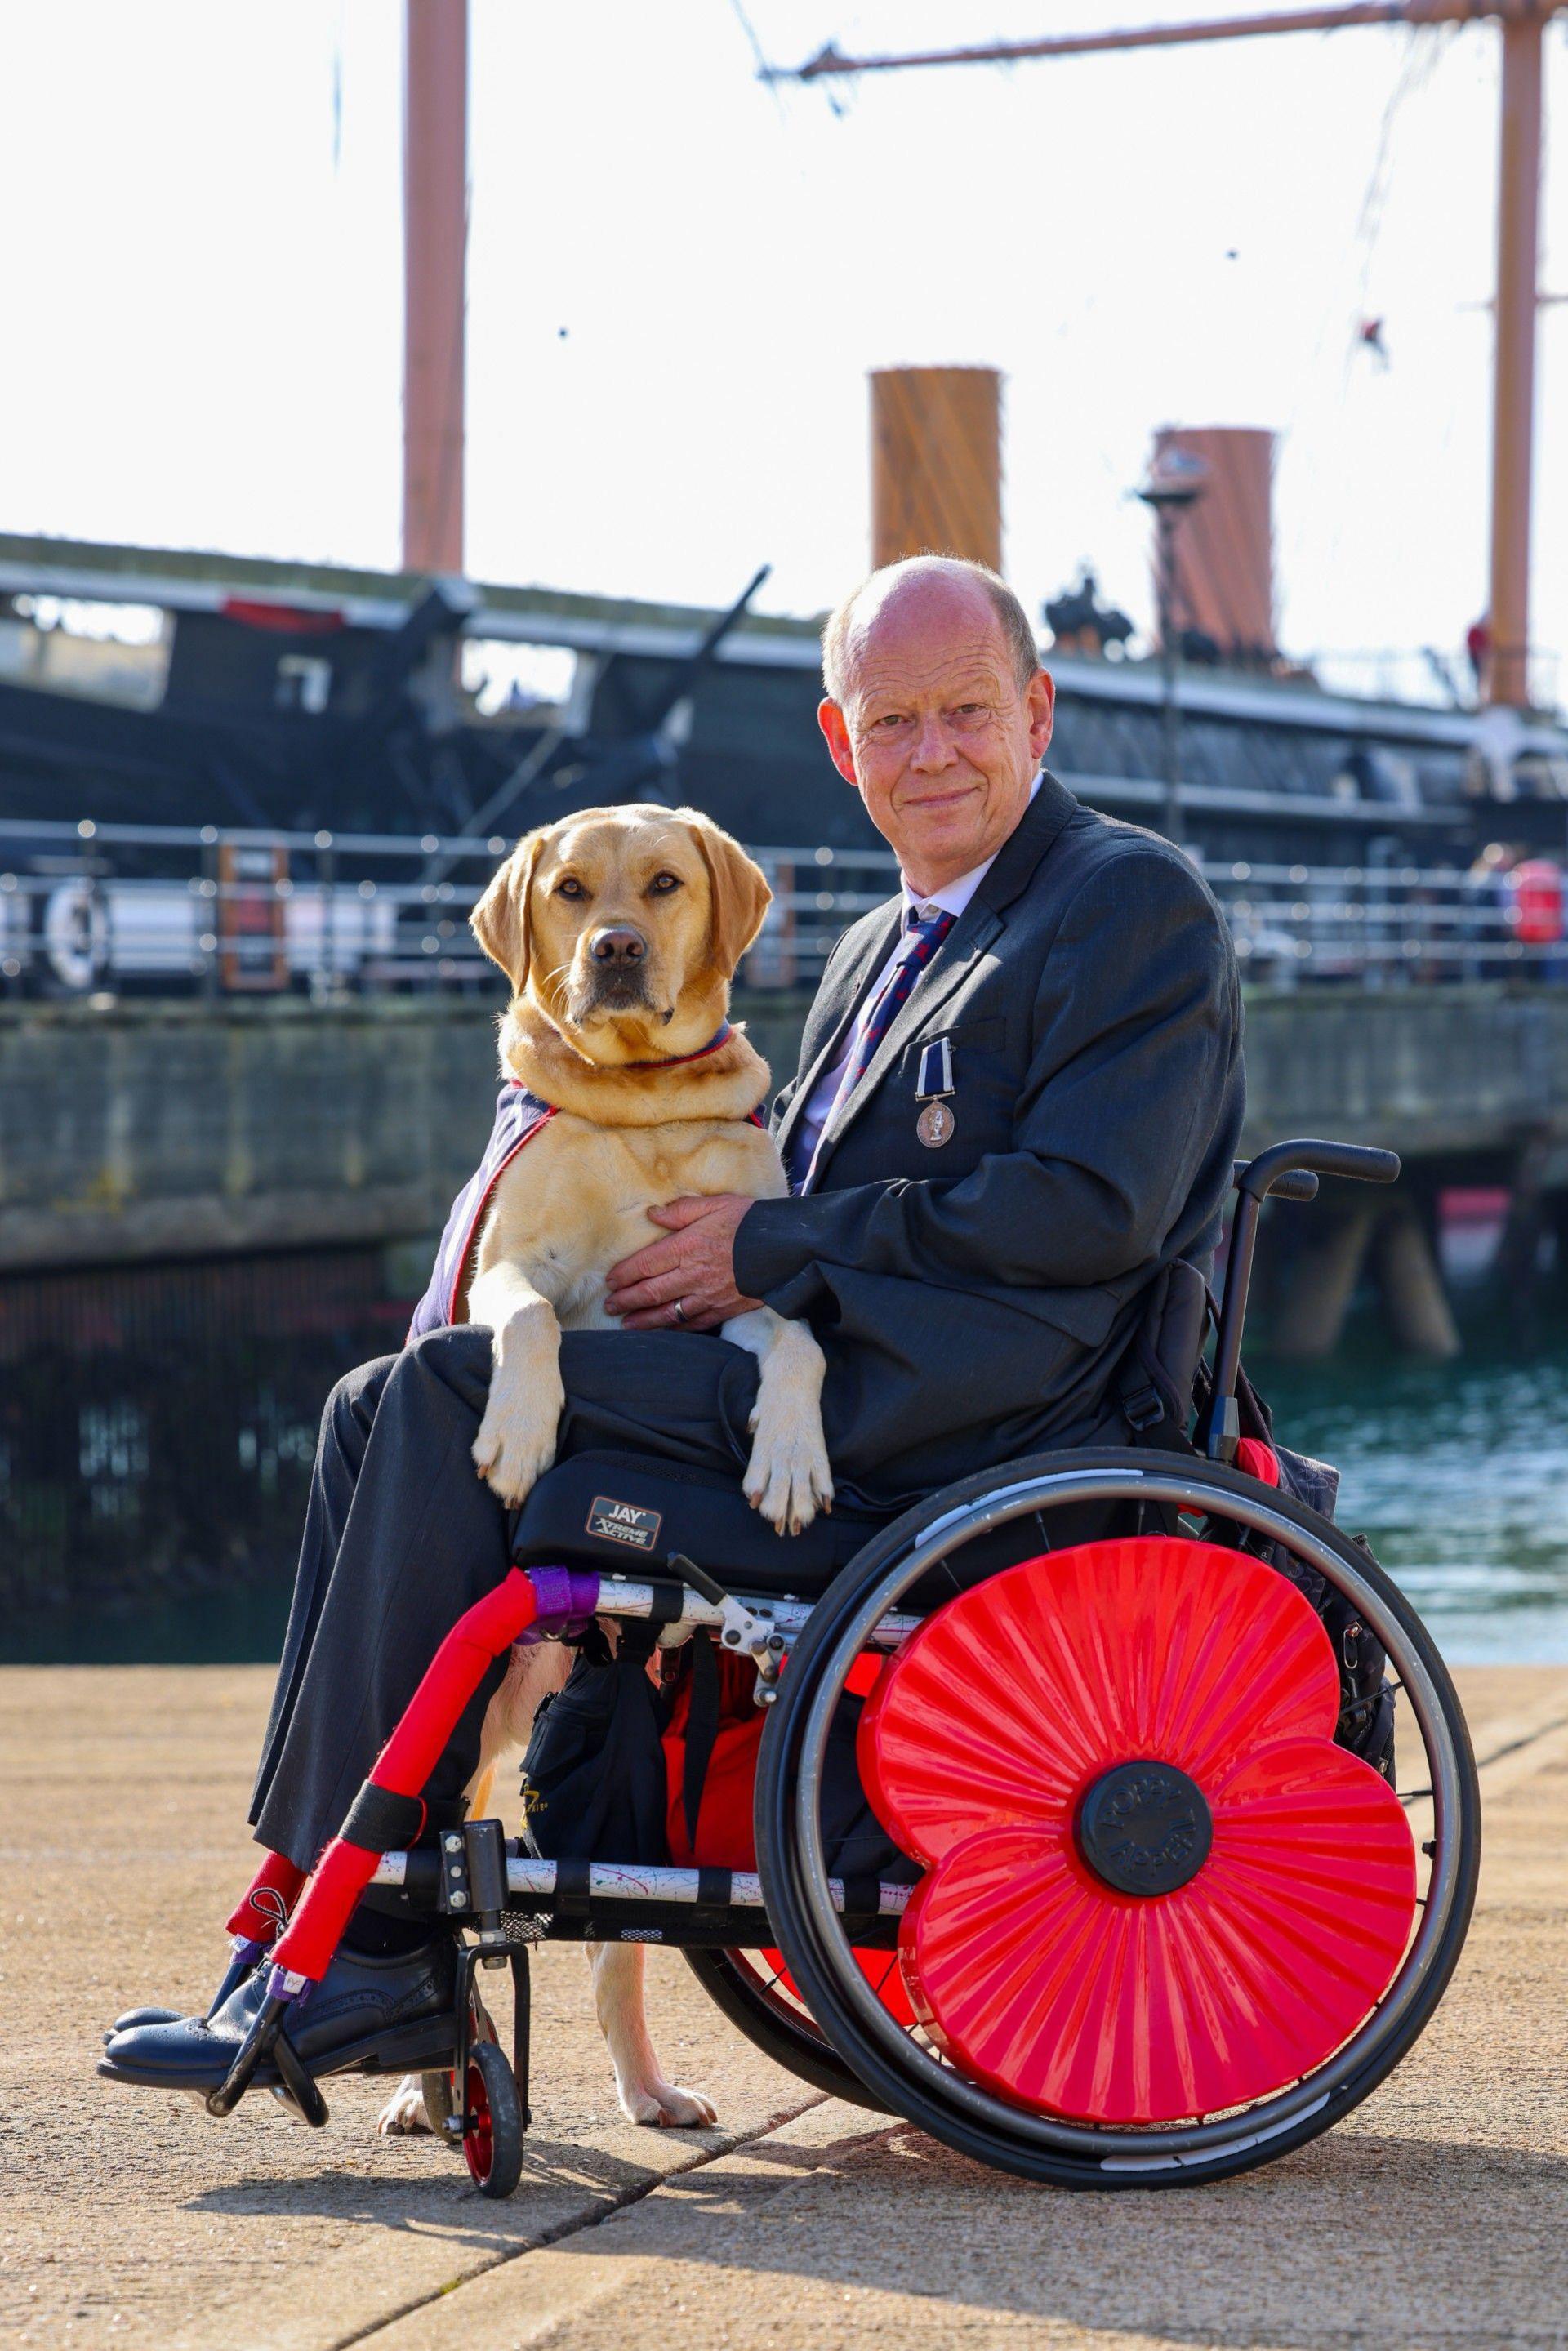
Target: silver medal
933,1088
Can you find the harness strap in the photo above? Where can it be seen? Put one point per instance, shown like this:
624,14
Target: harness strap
702,1728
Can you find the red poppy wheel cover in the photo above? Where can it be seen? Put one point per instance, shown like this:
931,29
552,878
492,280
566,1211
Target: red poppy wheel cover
1108,1673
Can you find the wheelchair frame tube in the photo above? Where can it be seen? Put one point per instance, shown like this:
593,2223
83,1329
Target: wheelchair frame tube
732,1889
619,1597
306,1949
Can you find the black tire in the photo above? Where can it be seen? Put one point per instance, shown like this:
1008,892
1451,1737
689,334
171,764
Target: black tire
907,2076
493,2142
774,2025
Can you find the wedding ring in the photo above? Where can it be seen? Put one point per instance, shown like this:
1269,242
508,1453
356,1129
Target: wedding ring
680,1309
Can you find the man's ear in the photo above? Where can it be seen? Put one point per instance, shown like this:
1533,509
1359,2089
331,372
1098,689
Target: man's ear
739,891
1039,701
835,727
500,920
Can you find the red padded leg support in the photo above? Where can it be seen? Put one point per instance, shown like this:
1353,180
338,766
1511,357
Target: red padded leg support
404,1764
267,1906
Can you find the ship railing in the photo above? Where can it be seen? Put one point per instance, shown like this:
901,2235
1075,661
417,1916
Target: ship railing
87,910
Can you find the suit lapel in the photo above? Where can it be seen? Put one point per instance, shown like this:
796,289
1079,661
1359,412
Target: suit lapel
982,921
848,988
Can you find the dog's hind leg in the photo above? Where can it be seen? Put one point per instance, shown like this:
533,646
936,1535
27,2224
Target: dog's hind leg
639,2086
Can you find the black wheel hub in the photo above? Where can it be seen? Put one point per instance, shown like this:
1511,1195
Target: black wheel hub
1144,1828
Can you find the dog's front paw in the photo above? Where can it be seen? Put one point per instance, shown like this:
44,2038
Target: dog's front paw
404,2111
663,2107
516,1443
787,1477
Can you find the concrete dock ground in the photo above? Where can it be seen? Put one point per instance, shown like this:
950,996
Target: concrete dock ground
1436,2216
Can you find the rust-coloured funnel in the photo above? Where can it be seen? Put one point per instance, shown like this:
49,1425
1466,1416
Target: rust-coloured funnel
936,464
1225,544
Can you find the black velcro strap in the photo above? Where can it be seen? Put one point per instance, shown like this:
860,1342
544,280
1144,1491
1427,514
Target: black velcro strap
863,1897
713,1889
702,1728
572,1883
636,1640
380,1821
669,1602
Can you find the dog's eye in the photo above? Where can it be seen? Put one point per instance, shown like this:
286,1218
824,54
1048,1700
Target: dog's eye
663,883
569,887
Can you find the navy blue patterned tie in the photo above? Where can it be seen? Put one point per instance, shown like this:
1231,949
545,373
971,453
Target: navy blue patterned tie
921,941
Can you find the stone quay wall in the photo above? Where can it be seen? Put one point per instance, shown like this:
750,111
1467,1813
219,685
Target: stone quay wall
156,1130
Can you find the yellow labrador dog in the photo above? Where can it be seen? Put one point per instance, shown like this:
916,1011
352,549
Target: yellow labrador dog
620,930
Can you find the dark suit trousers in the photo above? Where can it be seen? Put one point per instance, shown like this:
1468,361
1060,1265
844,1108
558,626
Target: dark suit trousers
401,1535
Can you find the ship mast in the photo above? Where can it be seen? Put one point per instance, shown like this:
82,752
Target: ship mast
1517,239
434,252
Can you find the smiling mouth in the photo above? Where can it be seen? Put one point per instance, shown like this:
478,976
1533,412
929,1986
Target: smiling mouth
943,799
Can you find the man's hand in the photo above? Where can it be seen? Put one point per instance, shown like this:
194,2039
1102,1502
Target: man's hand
693,1267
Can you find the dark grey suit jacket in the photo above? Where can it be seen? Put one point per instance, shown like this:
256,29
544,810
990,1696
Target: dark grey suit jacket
974,1301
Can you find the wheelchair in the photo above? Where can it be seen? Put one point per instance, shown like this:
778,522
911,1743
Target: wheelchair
1155,1922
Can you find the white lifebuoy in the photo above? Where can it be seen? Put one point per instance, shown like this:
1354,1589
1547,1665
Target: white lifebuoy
76,935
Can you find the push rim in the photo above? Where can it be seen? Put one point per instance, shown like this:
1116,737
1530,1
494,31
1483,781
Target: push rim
809,1926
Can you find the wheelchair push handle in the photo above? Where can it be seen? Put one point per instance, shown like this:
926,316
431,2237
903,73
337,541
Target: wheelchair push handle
1291,1169
1291,1184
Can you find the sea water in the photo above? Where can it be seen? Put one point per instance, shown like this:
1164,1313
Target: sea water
1458,1474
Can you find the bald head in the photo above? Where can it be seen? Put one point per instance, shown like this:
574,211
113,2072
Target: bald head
943,590
937,711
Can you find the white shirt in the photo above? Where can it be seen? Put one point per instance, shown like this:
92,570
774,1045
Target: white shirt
951,899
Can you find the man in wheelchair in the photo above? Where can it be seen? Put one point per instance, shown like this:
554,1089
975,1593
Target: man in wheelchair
1019,1098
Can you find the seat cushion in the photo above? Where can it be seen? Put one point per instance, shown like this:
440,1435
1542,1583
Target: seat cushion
627,1512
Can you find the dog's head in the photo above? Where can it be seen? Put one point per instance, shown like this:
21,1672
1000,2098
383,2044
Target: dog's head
623,926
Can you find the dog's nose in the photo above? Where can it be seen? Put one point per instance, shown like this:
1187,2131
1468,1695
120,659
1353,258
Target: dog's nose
618,945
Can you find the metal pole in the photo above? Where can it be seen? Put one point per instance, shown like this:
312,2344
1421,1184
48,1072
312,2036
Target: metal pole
1168,655
435,235
1514,402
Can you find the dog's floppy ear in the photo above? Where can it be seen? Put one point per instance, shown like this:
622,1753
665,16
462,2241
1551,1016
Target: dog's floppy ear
500,920
741,896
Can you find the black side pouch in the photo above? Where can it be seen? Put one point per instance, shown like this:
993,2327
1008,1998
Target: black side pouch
859,1849
593,1777
1366,1701
1365,1725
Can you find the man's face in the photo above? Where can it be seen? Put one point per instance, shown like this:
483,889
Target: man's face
935,730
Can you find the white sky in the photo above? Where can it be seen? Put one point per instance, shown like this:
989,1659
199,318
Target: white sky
678,279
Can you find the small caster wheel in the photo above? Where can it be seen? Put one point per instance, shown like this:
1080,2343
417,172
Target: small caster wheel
493,2142
439,2107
